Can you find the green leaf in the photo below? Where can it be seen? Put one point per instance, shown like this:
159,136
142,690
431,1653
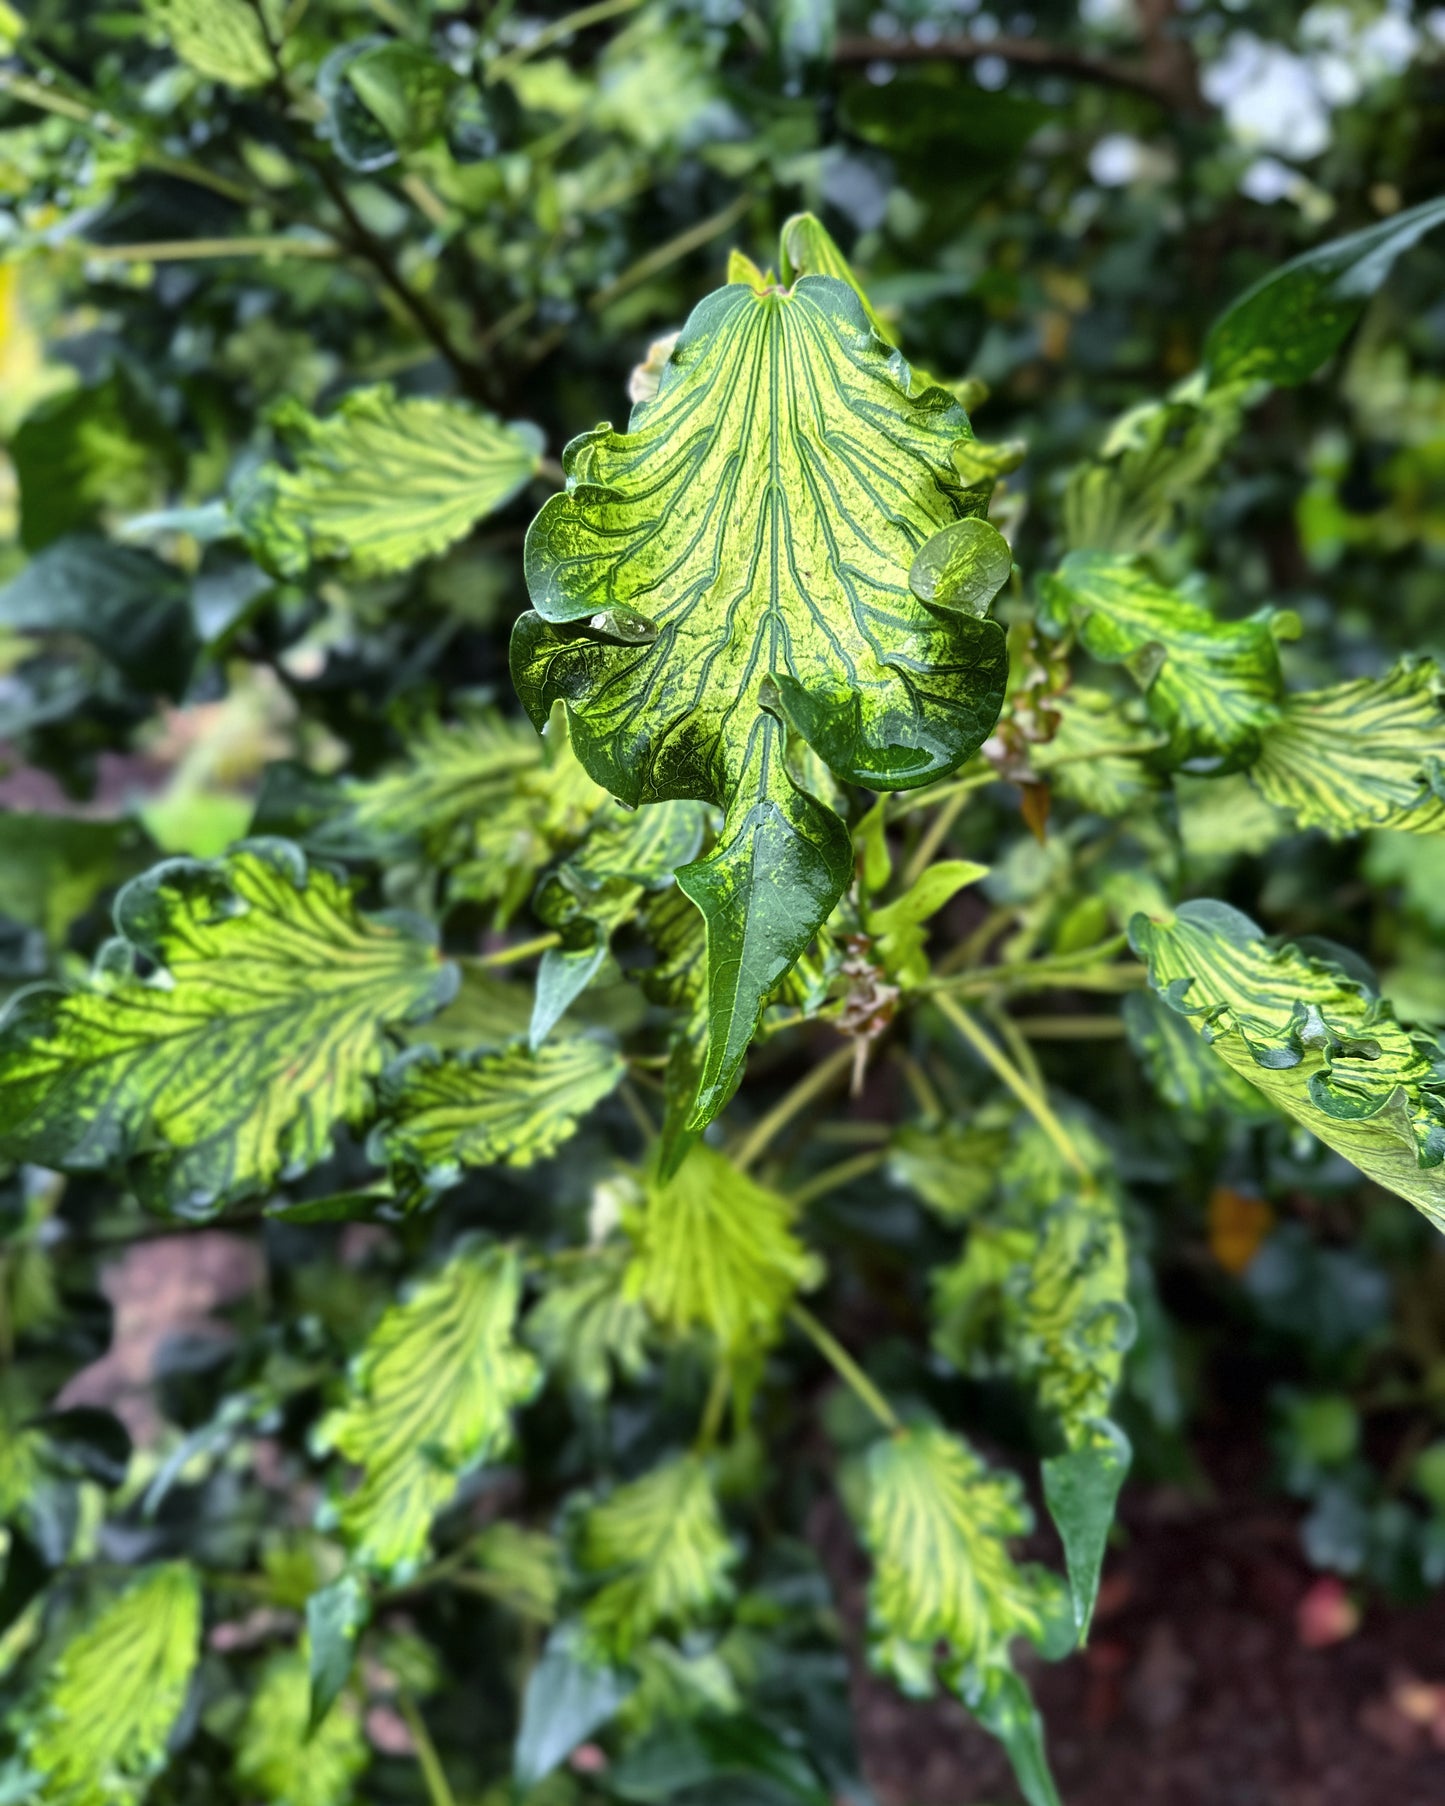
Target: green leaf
1213,686
1100,753
222,39
522,1569
678,981
1151,468
1081,1487
588,1327
714,1250
567,1698
405,89
53,867
383,482
430,1397
898,927
442,1113
1313,1037
335,1619
964,566
1366,754
281,1760
938,1524
1182,1067
661,1550
131,607
739,560
952,1169
262,1022
97,1734
1283,329
1001,1702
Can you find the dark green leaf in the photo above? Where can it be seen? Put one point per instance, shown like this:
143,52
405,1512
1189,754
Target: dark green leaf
567,1698
335,1619
1080,1489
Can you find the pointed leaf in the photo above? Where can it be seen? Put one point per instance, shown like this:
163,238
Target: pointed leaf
663,1553
716,1251
1311,1035
1183,1068
1212,685
738,558
335,1619
1001,1702
938,1524
567,1698
222,39
1081,1487
1283,329
283,1761
383,482
97,1735
442,1113
430,1397
263,1024
1366,754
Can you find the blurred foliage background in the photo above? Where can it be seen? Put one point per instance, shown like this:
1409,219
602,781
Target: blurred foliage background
512,202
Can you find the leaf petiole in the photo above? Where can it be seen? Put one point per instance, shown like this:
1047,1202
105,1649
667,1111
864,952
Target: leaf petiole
1032,1100
844,1365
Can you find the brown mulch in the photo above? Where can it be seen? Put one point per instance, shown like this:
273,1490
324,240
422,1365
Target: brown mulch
1197,1688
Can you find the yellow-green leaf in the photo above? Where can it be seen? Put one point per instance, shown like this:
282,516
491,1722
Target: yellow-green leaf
662,1553
737,563
222,39
265,1016
587,1327
279,1760
1365,754
430,1397
444,1112
383,482
97,1735
714,1250
1311,1035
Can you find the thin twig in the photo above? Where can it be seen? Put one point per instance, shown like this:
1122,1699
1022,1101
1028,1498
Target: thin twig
813,1084
844,1366
438,1788
182,250
509,956
1031,53
1033,1101
565,27
833,1178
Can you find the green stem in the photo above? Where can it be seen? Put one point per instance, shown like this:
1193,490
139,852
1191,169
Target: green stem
813,1084
1032,1100
933,838
939,793
552,34
637,1110
712,1415
669,253
844,1366
185,249
1070,1028
438,1788
510,956
832,1178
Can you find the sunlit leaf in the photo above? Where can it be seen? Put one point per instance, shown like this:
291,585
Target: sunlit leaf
660,1550
383,482
1366,754
1212,685
282,1761
716,1251
245,1009
98,1733
442,1113
739,561
222,39
1283,329
1099,756
1314,1037
429,1398
588,1327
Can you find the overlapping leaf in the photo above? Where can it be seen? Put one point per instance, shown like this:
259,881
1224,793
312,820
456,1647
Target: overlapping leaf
736,562
97,1735
430,1397
1100,754
1183,1068
716,1251
1365,754
1212,685
262,1023
280,1759
444,1112
1313,1037
383,482
953,1169
588,1327
660,1549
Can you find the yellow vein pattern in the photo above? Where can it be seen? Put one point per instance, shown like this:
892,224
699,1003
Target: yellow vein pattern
1317,1042
243,1012
431,1396
737,560
1367,754
383,482
97,1734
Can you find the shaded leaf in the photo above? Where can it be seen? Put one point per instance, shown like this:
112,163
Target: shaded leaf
1080,1489
714,1250
1001,1702
1283,329
588,1326
430,1397
444,1112
1366,754
952,1169
1100,753
567,1698
53,867
679,588
659,1547
97,1735
1311,1035
1212,685
335,1619
1182,1067
242,1013
383,482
